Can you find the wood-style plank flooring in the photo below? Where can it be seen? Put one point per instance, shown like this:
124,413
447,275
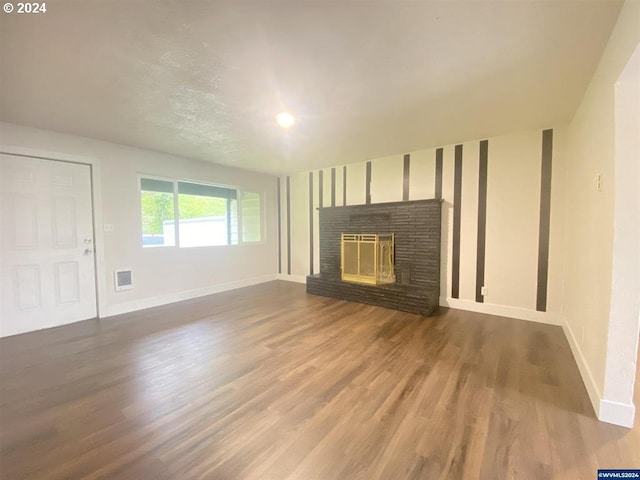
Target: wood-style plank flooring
268,382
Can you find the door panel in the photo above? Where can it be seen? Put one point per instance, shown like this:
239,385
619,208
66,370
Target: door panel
64,222
67,282
25,225
47,270
27,287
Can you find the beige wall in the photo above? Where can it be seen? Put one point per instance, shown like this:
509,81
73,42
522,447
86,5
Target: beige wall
513,207
589,223
160,275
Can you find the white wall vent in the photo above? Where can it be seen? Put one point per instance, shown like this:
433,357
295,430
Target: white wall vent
123,279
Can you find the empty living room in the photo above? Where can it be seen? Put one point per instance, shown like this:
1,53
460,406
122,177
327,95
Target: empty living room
320,240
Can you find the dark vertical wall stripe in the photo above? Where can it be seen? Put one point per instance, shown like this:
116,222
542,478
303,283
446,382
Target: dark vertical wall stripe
344,185
320,189
405,177
439,173
289,225
333,187
457,201
367,185
545,217
310,223
278,206
482,218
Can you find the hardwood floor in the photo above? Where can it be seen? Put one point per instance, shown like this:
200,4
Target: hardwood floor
268,382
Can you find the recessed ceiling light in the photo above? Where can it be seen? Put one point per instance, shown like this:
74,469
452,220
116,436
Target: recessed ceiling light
285,119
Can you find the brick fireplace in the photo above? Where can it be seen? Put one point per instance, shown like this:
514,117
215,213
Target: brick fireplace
415,226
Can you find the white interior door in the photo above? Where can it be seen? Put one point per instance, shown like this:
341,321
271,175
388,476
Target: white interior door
47,270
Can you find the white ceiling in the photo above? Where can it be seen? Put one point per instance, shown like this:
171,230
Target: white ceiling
365,79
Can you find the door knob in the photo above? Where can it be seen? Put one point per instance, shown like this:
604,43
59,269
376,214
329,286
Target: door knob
88,251
88,240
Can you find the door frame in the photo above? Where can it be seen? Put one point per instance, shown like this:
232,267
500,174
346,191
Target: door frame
616,403
95,174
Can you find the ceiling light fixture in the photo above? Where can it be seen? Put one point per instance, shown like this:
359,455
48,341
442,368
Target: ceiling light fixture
285,119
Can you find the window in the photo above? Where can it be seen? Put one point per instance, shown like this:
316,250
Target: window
208,215
158,210
251,217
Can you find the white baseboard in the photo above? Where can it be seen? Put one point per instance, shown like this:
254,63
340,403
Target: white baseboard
585,372
502,311
292,278
149,302
607,411
617,413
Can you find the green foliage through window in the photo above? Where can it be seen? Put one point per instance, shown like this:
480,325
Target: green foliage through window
208,214
156,208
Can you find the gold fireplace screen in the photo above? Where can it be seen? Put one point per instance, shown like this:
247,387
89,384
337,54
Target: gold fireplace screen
367,258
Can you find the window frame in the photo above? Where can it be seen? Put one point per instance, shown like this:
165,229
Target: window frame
228,216
261,203
176,211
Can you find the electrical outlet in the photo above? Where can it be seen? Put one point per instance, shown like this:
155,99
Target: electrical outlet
108,227
598,182
483,291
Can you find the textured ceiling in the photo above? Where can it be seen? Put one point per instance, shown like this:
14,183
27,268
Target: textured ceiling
365,79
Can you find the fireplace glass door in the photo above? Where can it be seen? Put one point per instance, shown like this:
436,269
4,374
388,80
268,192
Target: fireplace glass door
367,258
